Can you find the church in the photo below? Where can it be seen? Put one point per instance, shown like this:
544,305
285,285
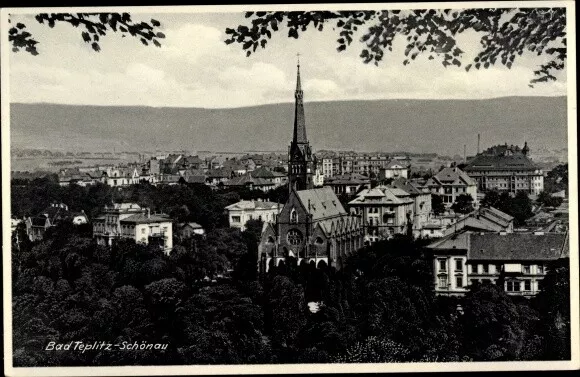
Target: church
313,226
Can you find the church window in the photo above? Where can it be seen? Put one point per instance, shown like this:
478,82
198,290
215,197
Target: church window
293,216
294,237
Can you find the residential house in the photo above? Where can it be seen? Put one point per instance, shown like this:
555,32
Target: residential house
347,184
250,183
515,260
382,212
421,202
239,213
450,183
394,169
52,215
190,229
148,229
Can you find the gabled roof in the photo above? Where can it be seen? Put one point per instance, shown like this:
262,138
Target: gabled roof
457,241
380,195
246,179
39,221
141,218
262,173
321,203
500,162
395,164
191,225
252,204
517,246
347,179
450,176
406,185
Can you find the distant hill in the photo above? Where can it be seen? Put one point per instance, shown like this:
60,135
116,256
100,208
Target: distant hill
441,126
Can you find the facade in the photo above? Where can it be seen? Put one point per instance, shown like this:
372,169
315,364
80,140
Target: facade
382,212
107,226
506,168
394,169
148,229
515,260
422,202
313,226
239,213
450,183
348,183
250,183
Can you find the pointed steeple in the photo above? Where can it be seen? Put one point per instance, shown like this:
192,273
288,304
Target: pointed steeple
299,120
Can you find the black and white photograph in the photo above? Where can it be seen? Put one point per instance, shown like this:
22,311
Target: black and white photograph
289,188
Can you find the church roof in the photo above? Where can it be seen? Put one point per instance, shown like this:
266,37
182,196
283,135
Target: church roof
321,203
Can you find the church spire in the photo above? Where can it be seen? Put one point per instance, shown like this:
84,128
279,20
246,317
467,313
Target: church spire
299,120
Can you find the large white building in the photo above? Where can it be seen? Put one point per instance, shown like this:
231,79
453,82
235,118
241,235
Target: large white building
506,168
129,220
516,260
239,213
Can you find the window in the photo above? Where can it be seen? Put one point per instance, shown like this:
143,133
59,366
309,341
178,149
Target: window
526,268
516,286
443,282
485,268
293,216
236,219
527,285
442,265
459,282
498,268
294,237
510,286
459,264
142,230
539,285
540,269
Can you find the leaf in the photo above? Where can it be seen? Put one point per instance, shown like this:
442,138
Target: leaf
155,22
86,36
144,41
156,43
160,35
467,67
20,25
96,46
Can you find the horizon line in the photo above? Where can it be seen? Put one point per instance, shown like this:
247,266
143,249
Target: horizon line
290,102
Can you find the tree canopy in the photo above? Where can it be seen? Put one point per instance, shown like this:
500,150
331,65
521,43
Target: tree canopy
506,33
93,27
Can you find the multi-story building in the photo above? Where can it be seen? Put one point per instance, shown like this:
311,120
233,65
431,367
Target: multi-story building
239,213
515,260
394,169
421,202
382,212
347,184
450,183
129,220
506,168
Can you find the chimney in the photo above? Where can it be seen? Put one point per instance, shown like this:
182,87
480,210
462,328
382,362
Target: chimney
148,213
478,141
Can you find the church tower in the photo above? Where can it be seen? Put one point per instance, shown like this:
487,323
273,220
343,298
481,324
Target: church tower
300,163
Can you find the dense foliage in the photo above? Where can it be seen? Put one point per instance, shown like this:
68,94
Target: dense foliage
93,26
505,34
379,308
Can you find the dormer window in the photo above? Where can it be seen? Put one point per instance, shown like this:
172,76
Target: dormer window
293,216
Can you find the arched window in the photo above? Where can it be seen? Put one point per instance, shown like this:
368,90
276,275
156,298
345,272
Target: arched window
270,239
294,237
319,241
293,216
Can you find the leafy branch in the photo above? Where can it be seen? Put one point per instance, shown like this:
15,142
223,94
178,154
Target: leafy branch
505,34
94,26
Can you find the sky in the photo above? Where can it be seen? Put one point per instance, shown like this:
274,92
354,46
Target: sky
195,68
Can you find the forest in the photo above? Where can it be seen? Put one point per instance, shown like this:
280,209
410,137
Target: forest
379,308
